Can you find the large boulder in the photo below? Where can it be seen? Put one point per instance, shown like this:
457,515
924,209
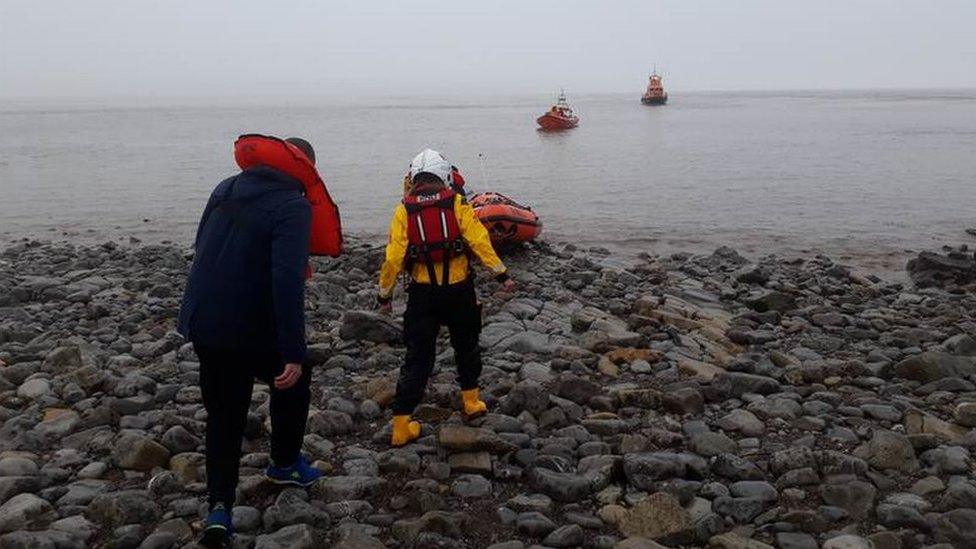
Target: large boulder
933,366
296,536
736,384
136,451
460,438
889,450
342,488
645,469
26,512
126,507
564,487
659,516
369,326
932,269
63,359
957,527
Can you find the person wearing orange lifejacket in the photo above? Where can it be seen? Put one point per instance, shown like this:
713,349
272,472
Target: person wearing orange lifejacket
432,234
243,310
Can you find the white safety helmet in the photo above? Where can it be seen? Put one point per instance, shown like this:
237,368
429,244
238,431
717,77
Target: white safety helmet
431,161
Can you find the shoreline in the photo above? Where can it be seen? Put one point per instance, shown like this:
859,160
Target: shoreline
694,399
887,260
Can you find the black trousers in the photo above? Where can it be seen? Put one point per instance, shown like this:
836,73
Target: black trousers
226,381
428,308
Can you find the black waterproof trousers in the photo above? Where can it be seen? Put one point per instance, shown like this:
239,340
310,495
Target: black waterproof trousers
428,308
226,381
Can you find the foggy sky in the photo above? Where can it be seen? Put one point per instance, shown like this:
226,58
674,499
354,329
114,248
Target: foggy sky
207,48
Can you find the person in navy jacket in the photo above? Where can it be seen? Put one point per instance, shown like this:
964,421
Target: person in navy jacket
243,310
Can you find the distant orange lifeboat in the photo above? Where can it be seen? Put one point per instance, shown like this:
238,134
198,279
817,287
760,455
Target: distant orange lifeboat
507,221
559,117
655,94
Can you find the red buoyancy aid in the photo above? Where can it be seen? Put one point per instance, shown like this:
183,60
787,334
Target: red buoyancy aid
457,180
433,232
252,150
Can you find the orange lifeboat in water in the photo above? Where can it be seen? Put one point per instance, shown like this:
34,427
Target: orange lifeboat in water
559,117
507,221
655,94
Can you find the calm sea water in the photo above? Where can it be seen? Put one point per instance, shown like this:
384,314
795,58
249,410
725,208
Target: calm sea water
865,175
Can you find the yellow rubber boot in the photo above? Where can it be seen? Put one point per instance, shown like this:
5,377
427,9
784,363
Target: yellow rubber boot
473,405
404,431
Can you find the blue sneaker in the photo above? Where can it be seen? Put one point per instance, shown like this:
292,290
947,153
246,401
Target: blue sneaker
219,528
299,474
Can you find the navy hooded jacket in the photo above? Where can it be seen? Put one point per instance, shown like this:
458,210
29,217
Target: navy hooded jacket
246,289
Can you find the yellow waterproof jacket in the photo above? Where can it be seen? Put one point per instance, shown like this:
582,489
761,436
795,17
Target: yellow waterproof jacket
473,232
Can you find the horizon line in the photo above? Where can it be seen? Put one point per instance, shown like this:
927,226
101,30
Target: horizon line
359,95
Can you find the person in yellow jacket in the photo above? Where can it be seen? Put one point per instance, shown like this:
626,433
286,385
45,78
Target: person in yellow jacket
432,234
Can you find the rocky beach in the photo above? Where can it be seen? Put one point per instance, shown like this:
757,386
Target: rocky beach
707,400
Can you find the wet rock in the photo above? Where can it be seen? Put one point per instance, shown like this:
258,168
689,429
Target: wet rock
440,522
736,468
965,414
957,527
34,388
794,540
931,269
471,486
570,535
658,516
918,422
342,488
31,540
743,421
352,539
739,509
292,507
576,389
564,487
297,536
525,396
139,452
709,444
898,516
736,384
855,496
177,439
471,462
645,469
772,301
534,524
637,542
14,466
25,511
63,359
731,540
890,450
933,366
848,542
125,507
369,326
461,438
684,401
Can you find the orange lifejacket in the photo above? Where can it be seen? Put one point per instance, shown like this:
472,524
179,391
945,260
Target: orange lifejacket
252,150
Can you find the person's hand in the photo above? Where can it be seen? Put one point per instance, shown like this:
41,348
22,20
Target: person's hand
509,285
289,377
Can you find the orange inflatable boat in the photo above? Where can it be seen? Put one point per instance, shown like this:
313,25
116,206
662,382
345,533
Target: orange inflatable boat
507,221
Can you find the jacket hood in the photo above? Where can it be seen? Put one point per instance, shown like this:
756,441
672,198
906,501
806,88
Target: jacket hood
259,181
